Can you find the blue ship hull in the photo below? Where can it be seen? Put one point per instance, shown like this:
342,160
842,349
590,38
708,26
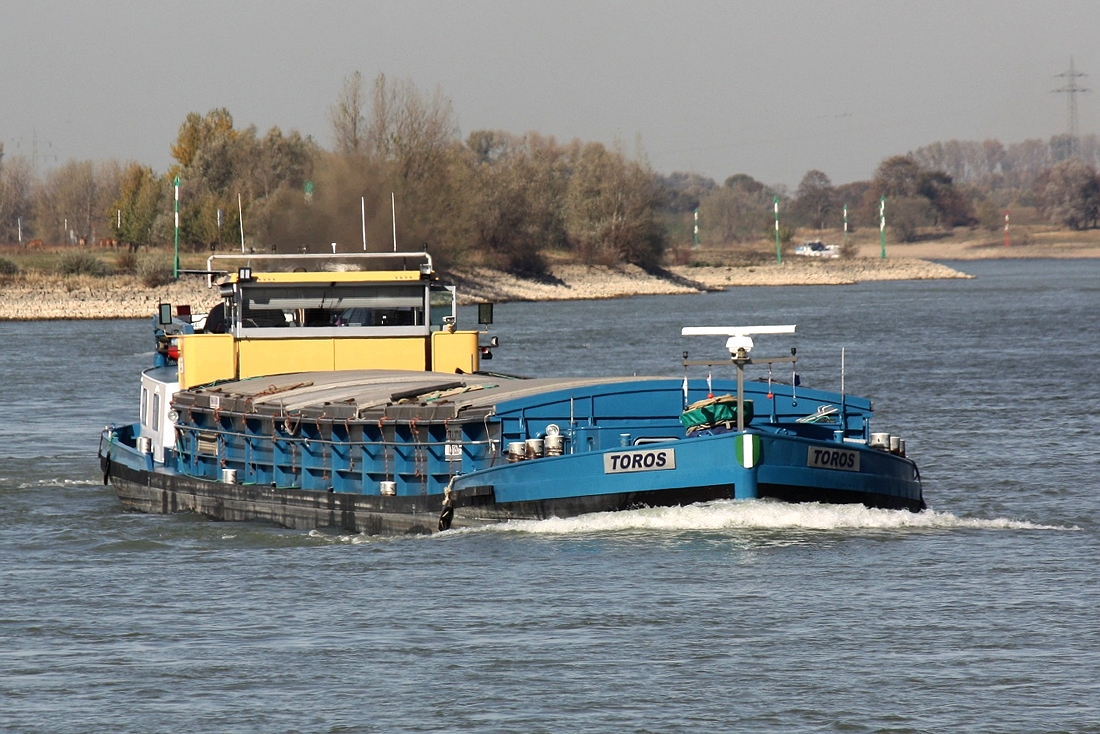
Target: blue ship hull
706,468
395,452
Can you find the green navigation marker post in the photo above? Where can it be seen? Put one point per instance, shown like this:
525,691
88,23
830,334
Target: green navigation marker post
176,265
778,252
882,225
845,226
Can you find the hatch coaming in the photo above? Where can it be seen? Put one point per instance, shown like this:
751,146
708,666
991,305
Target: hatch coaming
353,431
419,449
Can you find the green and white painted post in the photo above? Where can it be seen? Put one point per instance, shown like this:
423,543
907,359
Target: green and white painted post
778,252
696,233
845,226
176,266
882,225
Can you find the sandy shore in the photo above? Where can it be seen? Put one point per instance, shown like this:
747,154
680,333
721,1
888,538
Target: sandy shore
1055,244
125,297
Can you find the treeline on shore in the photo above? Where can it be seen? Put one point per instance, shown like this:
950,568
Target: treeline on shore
503,200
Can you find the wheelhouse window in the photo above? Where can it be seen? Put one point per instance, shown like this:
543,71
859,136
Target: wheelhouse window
333,310
442,305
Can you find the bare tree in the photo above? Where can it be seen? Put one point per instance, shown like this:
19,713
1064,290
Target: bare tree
409,129
683,192
349,126
513,201
741,209
65,203
992,155
906,214
898,175
816,198
611,208
1024,162
16,191
1072,195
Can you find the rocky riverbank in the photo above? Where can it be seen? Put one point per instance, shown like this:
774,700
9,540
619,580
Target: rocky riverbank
123,297
85,297
575,282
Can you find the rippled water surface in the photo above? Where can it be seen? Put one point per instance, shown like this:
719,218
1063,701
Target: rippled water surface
978,615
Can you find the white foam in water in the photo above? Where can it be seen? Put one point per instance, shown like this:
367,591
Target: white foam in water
58,482
357,538
732,515
760,515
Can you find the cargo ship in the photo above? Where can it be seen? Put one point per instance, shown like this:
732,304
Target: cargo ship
339,391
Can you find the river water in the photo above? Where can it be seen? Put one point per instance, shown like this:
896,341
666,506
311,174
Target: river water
979,615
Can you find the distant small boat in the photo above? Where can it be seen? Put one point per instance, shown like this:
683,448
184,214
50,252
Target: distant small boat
337,391
817,248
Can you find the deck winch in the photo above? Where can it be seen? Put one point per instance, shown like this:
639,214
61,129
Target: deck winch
888,443
550,443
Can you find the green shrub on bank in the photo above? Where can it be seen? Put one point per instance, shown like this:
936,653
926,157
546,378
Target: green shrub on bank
78,262
7,267
154,273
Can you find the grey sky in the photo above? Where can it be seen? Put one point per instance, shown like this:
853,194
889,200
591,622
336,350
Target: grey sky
771,89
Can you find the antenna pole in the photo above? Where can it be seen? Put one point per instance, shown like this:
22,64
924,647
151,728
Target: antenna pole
393,213
843,398
842,370
240,216
363,208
